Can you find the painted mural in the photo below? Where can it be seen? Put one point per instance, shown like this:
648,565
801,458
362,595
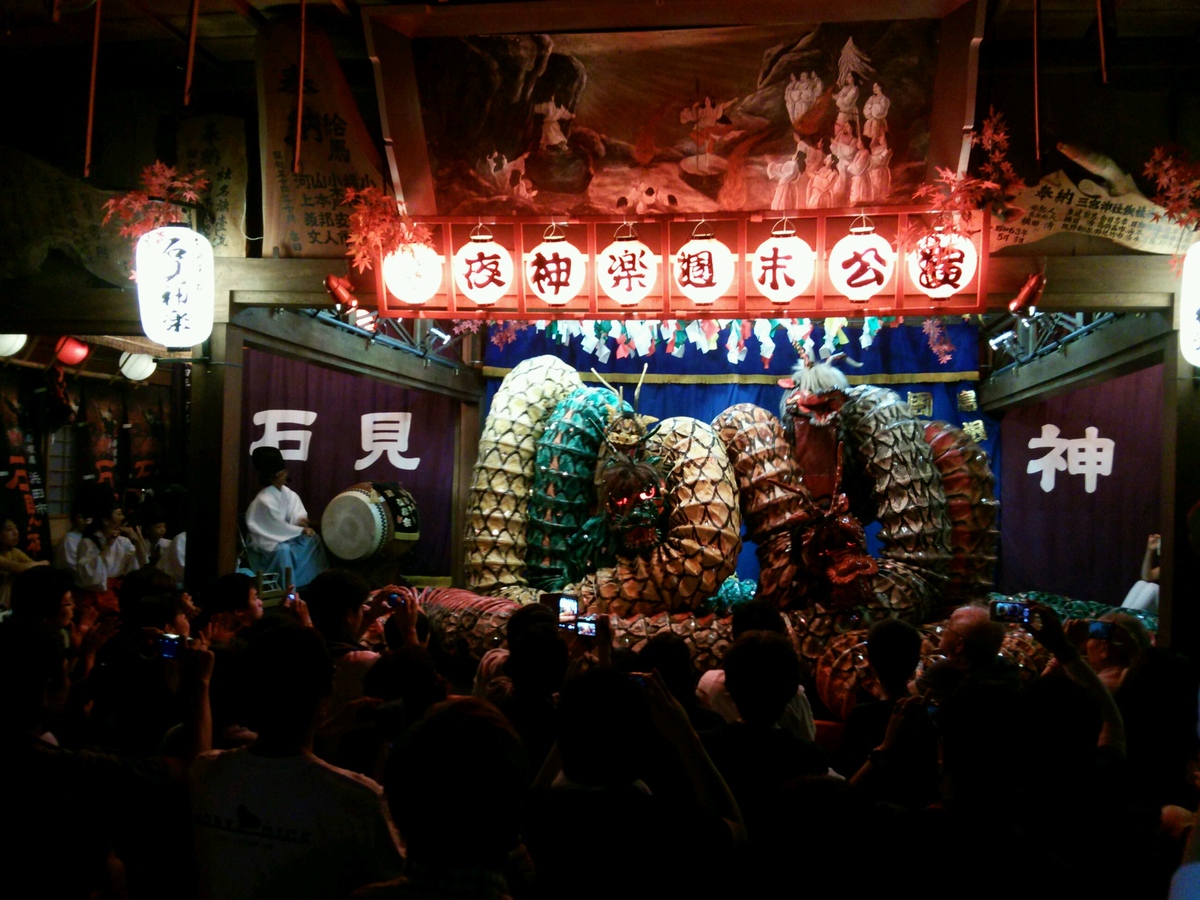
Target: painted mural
678,121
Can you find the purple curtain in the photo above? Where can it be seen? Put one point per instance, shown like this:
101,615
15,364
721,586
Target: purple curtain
321,419
1069,540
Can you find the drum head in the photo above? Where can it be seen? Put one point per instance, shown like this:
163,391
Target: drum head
354,525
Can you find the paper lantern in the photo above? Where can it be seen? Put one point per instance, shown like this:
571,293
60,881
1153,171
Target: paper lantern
176,286
1189,307
137,366
782,267
11,344
627,269
483,270
413,273
71,351
703,268
942,264
555,270
861,263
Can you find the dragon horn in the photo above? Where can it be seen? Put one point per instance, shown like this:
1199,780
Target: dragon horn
605,383
637,392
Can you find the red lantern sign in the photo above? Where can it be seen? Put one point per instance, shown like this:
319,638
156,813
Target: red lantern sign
782,267
483,270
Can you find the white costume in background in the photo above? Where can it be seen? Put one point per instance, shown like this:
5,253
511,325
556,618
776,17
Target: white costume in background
173,557
67,552
274,517
797,716
94,567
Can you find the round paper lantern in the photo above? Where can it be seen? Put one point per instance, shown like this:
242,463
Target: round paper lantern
71,351
1189,307
703,268
137,366
11,344
555,270
175,286
627,269
860,264
413,273
942,264
782,267
483,270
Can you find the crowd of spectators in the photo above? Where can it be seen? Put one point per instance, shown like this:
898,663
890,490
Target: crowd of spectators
160,747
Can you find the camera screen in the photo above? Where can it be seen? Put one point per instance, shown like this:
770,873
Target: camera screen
1100,631
586,629
168,646
568,608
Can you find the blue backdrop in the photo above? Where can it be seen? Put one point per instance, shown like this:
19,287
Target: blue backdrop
899,358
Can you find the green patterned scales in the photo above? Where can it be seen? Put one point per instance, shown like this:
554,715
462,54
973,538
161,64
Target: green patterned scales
563,498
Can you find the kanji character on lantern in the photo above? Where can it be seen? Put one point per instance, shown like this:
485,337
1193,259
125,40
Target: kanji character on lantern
555,269
861,264
942,264
483,270
704,268
782,266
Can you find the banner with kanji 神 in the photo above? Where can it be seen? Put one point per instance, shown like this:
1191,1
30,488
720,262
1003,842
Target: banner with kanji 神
216,145
336,430
1058,204
22,475
1080,475
302,212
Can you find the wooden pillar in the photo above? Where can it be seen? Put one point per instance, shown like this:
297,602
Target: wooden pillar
1179,599
465,453
214,461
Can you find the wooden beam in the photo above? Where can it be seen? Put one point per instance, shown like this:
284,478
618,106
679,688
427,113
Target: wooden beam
1179,616
249,13
304,338
1121,346
632,15
1098,276
30,309
400,117
466,450
214,466
170,29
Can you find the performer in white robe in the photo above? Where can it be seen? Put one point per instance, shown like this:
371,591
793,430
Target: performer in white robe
280,534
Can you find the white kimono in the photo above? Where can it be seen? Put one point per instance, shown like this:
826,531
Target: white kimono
274,517
93,566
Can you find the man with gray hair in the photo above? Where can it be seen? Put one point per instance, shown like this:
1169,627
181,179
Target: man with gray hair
970,644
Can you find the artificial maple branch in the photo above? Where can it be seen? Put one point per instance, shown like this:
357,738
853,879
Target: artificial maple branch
1177,185
163,199
379,226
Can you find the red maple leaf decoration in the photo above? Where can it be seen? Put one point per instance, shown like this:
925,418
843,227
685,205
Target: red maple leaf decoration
939,341
379,225
1177,185
958,198
159,202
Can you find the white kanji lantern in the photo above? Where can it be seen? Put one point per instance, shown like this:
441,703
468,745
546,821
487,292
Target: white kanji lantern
1189,307
942,264
176,286
483,270
413,273
555,270
703,267
11,344
782,266
861,263
137,366
627,269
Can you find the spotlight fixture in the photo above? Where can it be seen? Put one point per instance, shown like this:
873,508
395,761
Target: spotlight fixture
436,332
1025,303
1002,341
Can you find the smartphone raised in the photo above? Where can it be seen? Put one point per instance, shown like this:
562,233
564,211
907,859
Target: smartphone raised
1010,611
585,626
1100,631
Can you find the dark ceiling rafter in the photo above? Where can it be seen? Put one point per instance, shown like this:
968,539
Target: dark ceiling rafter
181,36
249,13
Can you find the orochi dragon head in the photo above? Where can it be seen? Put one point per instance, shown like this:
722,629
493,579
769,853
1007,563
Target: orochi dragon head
634,499
816,392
